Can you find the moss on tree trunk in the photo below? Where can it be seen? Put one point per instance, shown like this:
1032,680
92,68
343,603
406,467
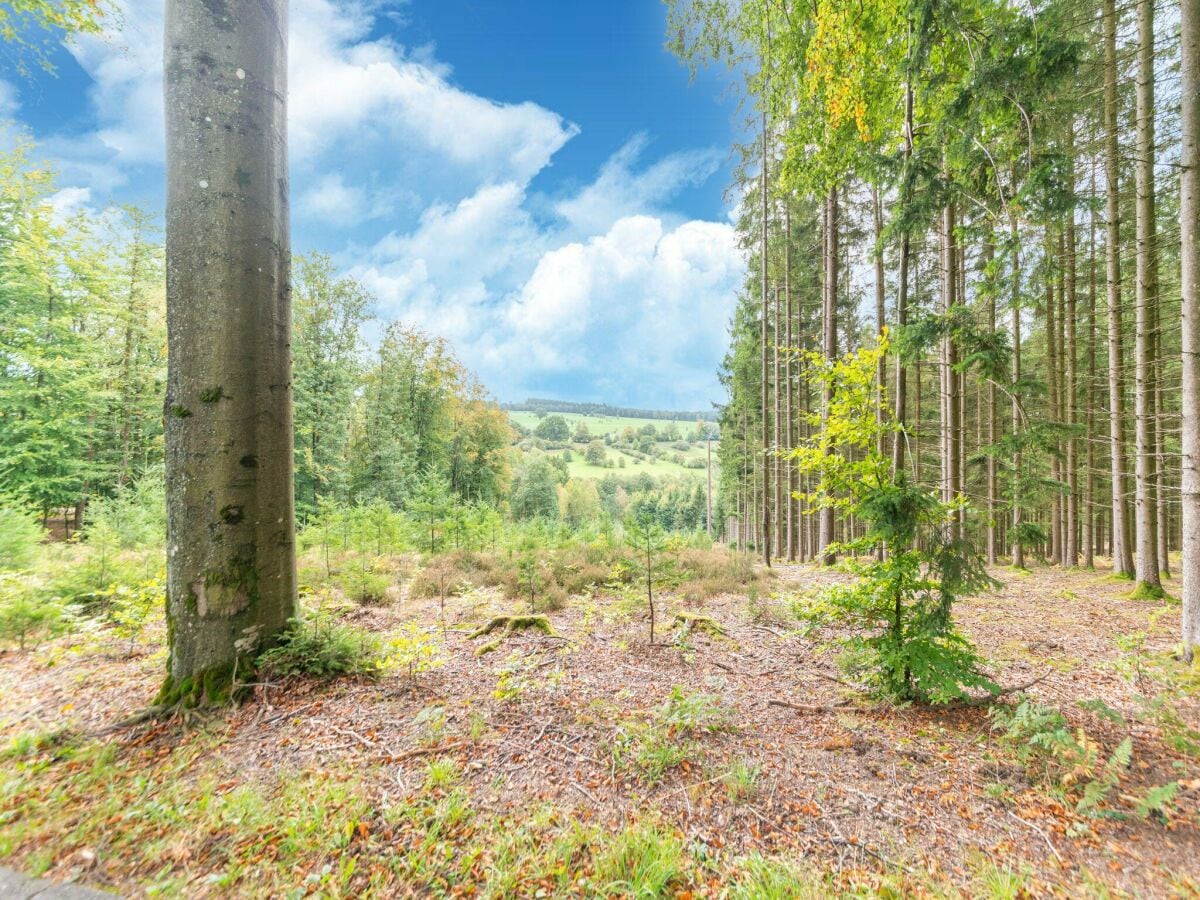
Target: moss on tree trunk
231,573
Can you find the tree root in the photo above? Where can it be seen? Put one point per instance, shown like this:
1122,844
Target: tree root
507,625
218,686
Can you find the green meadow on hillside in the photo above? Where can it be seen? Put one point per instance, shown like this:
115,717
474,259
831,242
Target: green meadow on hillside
627,453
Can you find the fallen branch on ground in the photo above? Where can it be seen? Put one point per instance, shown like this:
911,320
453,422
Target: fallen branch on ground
1003,692
809,707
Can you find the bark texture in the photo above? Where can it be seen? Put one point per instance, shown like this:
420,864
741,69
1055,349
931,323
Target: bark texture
231,573
766,428
1189,229
1122,552
1146,521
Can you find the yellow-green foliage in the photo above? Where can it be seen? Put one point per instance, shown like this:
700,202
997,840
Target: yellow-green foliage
27,612
130,607
413,650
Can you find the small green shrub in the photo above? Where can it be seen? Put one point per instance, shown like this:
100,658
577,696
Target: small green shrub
28,614
321,646
899,609
741,781
20,536
650,752
413,650
130,607
135,518
691,713
1159,801
30,743
442,772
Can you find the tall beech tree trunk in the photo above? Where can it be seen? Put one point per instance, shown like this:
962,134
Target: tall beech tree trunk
1122,552
830,347
1146,261
231,566
1189,232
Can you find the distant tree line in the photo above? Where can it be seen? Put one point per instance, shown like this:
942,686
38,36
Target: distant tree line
603,409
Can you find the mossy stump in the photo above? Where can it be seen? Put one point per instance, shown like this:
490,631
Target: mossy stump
689,622
506,625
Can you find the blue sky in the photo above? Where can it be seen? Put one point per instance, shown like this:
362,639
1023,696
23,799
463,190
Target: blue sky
537,181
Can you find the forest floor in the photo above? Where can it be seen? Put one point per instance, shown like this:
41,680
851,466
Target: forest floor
592,764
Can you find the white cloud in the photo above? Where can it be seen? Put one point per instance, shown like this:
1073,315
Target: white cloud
346,90
343,86
619,190
126,68
444,275
332,200
638,306
69,200
10,102
605,294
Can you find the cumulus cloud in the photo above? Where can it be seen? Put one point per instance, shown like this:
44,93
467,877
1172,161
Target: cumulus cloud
620,189
331,199
346,89
10,102
444,275
69,201
604,293
345,86
639,305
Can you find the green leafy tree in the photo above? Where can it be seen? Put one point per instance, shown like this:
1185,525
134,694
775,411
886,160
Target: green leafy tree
33,27
900,607
595,454
328,313
53,391
578,502
20,535
534,492
553,428
430,507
